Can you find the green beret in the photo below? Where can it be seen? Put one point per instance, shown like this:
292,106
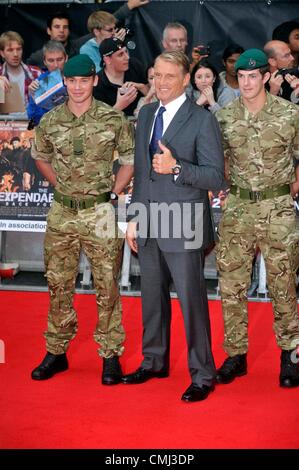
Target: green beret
251,59
80,65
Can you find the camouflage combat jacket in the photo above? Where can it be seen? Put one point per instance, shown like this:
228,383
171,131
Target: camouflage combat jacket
260,149
81,150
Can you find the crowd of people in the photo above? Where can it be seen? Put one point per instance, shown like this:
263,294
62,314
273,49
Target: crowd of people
196,128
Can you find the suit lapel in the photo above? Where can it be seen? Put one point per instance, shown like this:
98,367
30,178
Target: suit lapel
177,122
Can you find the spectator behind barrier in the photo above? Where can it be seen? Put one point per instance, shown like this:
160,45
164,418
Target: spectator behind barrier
13,69
229,76
58,29
150,97
208,91
54,58
279,57
103,26
121,81
175,37
289,32
121,16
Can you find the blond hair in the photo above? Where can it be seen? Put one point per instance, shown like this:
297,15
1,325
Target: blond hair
177,58
98,19
10,36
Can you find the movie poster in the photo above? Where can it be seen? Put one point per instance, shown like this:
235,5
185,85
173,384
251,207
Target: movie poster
25,196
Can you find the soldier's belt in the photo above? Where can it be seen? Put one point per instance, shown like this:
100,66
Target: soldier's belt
79,204
257,196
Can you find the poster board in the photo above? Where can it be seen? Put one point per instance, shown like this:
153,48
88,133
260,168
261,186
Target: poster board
25,196
13,101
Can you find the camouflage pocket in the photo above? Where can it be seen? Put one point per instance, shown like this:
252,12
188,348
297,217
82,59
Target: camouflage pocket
283,222
106,225
55,216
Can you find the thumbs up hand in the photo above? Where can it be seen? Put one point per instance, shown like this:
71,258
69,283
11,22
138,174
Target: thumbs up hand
163,162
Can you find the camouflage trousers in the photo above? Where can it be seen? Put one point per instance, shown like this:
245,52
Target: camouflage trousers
93,230
270,225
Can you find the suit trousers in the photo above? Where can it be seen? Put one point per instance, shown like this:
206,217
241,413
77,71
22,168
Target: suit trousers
186,269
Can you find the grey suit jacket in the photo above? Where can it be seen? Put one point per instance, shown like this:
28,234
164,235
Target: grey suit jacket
193,137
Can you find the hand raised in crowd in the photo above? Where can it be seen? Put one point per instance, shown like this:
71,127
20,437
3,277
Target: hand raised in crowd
34,85
196,53
275,82
206,97
125,96
141,87
120,34
151,93
294,83
136,3
202,100
163,162
6,83
209,94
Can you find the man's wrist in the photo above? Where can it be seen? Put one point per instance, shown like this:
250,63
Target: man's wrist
177,168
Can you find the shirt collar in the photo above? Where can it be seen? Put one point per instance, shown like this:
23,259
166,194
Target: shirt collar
262,113
69,115
173,106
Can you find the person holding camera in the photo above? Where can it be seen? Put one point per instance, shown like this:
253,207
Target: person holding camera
122,80
280,60
103,26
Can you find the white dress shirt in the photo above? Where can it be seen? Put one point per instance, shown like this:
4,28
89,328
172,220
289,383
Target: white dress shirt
168,115
171,109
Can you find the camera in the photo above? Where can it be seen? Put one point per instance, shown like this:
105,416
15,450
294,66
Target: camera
283,72
127,39
123,90
129,33
205,50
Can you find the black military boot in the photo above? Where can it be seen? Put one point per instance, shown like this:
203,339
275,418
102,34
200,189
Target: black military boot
50,365
231,368
112,372
289,372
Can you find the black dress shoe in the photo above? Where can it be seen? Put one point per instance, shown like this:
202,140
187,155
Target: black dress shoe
232,367
142,375
289,372
50,365
196,393
112,373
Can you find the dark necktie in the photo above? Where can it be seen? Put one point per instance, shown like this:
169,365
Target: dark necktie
157,132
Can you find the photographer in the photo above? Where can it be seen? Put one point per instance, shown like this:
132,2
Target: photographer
279,57
103,26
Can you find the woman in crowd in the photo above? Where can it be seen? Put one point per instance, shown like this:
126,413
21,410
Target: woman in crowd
150,97
208,91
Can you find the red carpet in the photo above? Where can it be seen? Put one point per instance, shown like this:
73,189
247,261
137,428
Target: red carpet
73,410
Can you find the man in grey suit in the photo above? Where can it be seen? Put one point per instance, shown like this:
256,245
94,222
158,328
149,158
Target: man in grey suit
170,203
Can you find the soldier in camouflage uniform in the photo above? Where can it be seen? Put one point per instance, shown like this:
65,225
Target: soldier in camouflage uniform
260,138
74,147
